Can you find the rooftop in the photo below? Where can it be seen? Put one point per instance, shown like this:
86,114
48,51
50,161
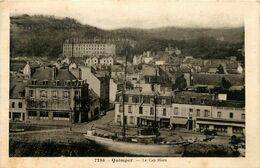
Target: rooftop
17,88
215,79
46,73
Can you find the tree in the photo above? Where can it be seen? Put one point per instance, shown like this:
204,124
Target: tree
225,83
220,69
129,85
180,83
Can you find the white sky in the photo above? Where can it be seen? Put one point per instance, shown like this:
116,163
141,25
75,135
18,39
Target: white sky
110,14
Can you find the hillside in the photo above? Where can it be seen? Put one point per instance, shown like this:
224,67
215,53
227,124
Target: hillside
232,35
40,35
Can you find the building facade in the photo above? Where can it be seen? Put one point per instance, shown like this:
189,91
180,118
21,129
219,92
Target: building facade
140,108
185,109
81,48
17,105
56,95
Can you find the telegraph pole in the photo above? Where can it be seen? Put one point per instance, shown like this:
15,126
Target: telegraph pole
124,87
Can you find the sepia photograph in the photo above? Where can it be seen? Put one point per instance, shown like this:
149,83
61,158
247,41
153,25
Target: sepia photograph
92,81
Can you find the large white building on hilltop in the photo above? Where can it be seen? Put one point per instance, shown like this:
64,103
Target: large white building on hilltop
89,47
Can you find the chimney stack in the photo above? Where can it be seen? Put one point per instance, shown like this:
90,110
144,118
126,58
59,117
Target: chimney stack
54,73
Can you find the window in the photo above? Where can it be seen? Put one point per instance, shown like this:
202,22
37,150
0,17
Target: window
10,115
125,98
163,101
120,108
57,82
135,99
237,130
43,104
203,101
66,94
34,82
220,128
192,100
118,118
230,115
13,104
168,101
54,94
140,110
61,116
158,100
190,112
45,82
219,114
43,93
44,115
31,93
176,111
129,109
76,93
164,112
67,83
198,112
151,111
243,116
206,113
146,100
20,105
32,114
131,119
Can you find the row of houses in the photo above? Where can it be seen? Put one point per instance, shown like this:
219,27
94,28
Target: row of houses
90,61
187,109
206,66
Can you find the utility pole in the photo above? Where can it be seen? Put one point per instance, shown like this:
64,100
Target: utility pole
123,98
155,101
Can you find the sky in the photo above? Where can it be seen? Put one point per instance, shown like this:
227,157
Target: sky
113,14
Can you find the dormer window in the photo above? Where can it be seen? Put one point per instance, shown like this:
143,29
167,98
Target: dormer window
192,99
67,83
43,93
80,83
74,83
56,83
34,82
45,82
203,100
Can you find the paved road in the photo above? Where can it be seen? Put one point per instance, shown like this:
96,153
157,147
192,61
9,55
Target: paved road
105,125
108,119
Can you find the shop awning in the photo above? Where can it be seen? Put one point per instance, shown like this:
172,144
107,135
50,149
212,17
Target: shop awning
149,118
181,121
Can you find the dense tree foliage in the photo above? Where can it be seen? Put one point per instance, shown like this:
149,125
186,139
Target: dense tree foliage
44,35
180,83
220,69
225,83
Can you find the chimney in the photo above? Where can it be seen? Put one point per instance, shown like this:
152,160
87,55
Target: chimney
54,73
80,73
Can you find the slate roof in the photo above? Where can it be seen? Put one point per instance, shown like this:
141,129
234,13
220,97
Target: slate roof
148,70
92,94
215,79
17,65
45,73
16,87
184,97
117,68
